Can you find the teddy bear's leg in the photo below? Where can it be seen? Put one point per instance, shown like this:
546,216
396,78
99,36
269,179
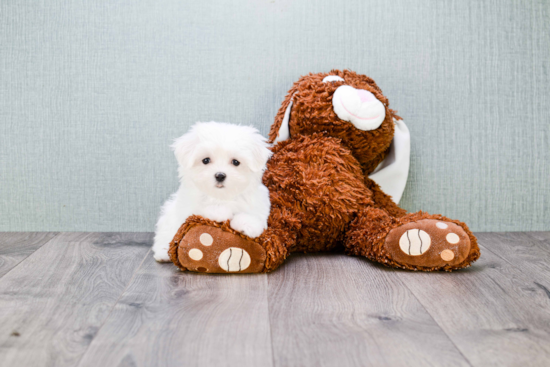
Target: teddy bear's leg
206,246
415,241
382,200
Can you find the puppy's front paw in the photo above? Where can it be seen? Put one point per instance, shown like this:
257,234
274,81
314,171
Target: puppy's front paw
160,253
248,224
161,256
218,213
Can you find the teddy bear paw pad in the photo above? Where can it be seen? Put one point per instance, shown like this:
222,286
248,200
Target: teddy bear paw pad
428,243
208,249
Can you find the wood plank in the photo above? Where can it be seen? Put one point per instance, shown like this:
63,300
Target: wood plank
541,236
53,303
16,246
336,310
529,253
171,318
493,312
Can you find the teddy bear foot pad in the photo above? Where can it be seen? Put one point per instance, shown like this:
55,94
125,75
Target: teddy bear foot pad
428,243
208,249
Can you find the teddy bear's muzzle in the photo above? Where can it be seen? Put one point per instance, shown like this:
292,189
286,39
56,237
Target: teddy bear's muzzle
358,106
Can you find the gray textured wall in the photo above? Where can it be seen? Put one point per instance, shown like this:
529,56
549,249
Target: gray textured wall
92,93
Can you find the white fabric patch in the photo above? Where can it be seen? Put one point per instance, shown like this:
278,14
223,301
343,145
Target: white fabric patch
441,225
206,239
358,106
195,254
392,173
452,238
447,255
234,259
332,78
415,242
284,130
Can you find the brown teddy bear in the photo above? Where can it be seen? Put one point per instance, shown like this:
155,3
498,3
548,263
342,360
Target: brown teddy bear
330,133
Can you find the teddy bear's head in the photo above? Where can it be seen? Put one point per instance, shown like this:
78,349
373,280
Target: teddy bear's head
341,104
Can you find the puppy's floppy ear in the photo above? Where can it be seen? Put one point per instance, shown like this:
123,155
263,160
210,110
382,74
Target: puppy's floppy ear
184,148
258,152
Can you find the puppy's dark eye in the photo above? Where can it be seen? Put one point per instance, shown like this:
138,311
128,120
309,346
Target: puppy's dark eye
235,162
206,160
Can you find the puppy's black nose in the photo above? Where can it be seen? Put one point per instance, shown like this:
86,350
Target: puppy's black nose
220,176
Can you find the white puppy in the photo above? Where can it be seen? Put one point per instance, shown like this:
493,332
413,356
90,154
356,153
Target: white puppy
220,169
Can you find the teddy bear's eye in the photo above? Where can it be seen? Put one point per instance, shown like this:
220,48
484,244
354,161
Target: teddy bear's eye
333,78
235,162
206,160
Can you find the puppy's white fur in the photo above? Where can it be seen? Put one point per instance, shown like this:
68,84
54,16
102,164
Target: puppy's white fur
241,197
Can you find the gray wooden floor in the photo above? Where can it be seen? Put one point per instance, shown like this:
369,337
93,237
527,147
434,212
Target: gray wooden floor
99,299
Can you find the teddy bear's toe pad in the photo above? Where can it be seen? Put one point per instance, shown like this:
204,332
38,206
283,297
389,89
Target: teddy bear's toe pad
428,243
208,249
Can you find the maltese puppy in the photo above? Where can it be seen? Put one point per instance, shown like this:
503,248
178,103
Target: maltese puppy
220,170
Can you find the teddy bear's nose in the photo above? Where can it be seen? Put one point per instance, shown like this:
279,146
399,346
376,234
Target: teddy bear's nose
358,106
365,96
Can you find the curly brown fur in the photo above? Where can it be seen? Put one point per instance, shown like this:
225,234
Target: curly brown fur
276,243
316,188
384,201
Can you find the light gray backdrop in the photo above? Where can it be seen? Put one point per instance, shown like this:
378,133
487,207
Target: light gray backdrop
93,92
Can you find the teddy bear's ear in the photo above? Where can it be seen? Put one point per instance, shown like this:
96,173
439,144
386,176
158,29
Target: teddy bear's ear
392,173
280,130
284,129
